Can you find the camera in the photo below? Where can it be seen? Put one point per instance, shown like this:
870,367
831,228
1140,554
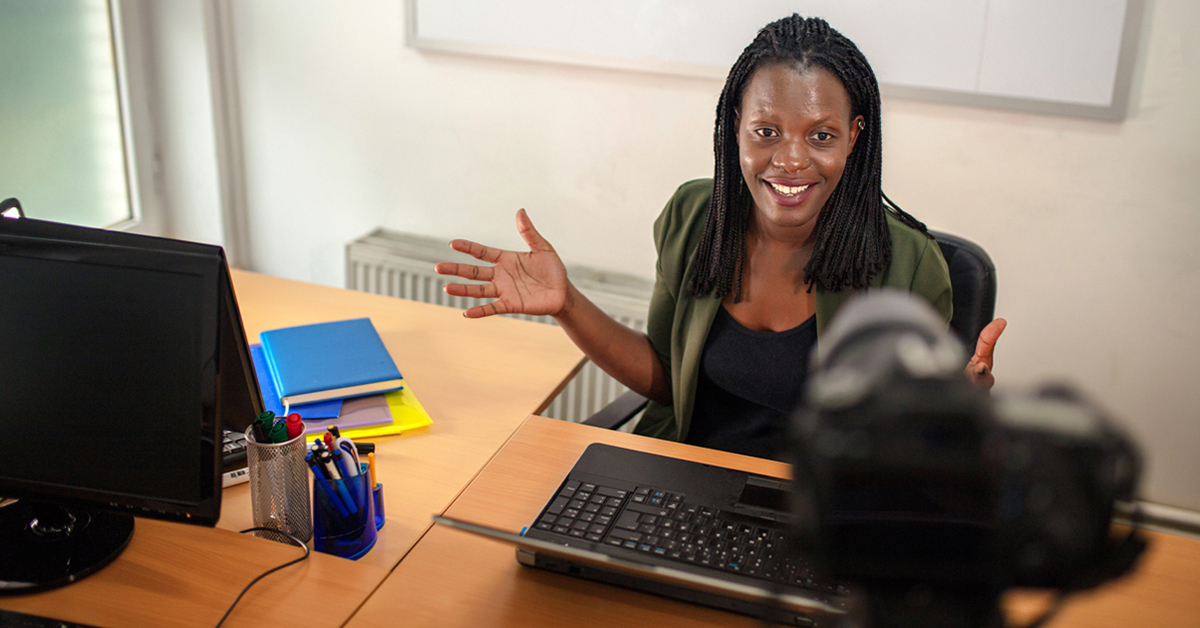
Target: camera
932,496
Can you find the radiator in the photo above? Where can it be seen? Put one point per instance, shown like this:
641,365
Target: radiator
401,265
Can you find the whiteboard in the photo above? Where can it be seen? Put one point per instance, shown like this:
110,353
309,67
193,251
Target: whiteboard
1066,57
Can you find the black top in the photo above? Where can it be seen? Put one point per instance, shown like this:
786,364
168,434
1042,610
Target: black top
750,382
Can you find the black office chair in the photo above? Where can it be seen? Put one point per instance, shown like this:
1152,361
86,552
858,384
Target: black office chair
972,278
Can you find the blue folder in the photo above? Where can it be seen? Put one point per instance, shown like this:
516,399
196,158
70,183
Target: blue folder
325,361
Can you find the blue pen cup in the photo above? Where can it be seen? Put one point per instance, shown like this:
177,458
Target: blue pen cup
344,516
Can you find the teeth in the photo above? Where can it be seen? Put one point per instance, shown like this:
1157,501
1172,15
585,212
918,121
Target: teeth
788,190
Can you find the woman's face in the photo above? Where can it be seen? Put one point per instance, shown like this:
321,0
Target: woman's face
795,132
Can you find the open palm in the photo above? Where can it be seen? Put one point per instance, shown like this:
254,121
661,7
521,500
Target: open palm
521,283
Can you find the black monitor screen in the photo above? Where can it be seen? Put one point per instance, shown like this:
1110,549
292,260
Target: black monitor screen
119,356
100,376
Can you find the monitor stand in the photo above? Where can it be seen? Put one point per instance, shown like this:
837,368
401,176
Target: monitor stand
43,545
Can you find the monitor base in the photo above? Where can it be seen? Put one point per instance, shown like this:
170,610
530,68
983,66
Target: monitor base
47,546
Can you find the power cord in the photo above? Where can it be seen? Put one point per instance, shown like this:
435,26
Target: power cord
295,541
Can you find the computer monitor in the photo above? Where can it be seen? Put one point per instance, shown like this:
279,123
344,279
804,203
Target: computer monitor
121,358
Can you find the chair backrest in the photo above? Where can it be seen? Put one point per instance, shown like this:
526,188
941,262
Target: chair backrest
973,278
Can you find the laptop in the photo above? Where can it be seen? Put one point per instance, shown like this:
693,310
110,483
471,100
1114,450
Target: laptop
681,529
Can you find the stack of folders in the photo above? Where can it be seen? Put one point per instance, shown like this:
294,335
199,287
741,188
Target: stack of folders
335,374
328,361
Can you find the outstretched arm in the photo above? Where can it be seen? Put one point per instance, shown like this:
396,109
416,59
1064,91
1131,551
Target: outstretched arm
536,283
979,369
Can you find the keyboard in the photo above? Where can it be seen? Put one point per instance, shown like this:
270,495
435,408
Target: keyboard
233,467
664,524
233,450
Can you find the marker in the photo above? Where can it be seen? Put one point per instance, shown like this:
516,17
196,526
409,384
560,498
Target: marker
295,426
371,464
260,427
278,433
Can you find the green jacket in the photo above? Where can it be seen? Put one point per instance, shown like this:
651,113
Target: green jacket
679,322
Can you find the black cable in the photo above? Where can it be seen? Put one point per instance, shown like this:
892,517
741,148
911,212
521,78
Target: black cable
268,572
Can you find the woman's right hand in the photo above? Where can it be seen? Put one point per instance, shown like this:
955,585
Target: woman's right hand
521,283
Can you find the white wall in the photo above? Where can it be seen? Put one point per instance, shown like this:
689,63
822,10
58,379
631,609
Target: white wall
1094,230
1092,225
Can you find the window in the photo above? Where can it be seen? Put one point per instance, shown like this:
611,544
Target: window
65,152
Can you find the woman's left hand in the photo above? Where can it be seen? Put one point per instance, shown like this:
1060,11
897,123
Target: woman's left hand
979,369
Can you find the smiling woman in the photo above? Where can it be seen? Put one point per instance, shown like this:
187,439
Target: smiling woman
753,263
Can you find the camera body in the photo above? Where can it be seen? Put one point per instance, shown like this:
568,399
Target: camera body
908,476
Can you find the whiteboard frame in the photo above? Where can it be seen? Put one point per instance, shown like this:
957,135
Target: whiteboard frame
1115,111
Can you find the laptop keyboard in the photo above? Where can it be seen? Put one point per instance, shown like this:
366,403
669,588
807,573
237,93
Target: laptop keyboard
665,524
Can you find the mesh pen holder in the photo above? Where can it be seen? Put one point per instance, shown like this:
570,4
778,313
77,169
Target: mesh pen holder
279,487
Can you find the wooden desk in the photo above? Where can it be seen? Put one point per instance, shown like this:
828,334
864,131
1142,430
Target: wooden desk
173,574
478,379
452,578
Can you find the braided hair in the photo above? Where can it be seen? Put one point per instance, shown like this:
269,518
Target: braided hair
852,242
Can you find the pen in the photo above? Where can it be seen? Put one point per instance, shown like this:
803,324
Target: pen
346,470
344,443
350,470
312,464
327,459
323,482
347,447
371,464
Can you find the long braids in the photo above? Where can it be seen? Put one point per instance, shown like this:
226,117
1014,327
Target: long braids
852,242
